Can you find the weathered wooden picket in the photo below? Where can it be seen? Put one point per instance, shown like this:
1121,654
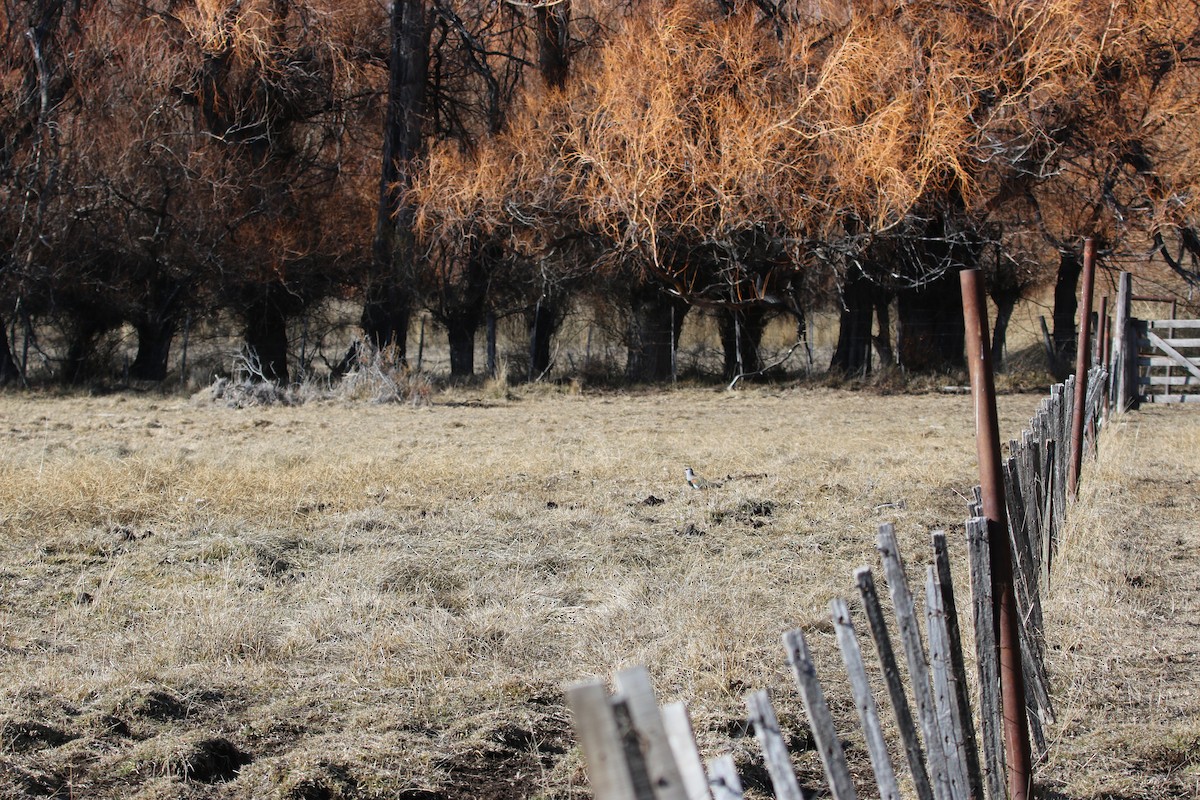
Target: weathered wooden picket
636,751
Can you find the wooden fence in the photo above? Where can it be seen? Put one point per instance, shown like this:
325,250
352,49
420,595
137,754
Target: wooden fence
635,750
1155,360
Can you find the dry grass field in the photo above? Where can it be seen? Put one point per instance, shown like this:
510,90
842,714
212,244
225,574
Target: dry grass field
353,600
1124,617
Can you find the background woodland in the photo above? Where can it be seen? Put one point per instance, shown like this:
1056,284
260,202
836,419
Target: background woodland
251,163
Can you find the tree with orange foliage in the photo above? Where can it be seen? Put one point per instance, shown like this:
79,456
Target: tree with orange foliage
738,156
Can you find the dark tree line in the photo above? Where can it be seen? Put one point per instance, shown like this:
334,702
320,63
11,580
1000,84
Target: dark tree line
166,161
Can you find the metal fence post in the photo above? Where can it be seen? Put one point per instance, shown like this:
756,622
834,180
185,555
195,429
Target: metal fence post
987,442
1082,360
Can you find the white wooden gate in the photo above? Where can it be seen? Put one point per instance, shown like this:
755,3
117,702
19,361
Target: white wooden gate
1169,360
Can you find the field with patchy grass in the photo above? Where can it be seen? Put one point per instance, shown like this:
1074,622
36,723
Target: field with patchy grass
357,601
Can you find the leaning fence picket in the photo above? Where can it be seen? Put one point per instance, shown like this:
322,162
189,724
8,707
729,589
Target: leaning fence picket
864,700
987,657
829,747
682,739
941,561
895,686
602,743
953,739
1025,453
634,686
1035,500
1063,449
1029,603
723,779
1049,530
1037,690
914,651
775,752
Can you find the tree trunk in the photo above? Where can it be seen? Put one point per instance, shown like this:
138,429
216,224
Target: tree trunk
387,306
156,320
554,60
460,328
553,22
385,318
492,365
883,321
79,365
1006,303
1066,303
932,336
10,372
154,349
266,333
543,320
852,356
461,307
741,333
653,334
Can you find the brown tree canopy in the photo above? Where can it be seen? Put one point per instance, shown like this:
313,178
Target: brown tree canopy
722,151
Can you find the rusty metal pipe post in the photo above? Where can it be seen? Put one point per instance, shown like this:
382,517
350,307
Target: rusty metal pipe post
991,479
1082,359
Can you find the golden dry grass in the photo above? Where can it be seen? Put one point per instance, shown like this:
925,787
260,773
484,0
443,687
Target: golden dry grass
1123,619
354,600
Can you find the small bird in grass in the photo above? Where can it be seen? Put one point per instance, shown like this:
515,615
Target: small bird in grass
694,480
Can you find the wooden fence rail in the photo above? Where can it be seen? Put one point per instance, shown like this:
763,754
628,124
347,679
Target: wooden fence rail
952,750
1154,360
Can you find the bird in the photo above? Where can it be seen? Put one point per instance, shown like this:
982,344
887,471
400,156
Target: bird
694,480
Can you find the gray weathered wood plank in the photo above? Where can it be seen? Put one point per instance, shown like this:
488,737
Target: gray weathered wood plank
958,667
829,747
682,739
1035,497
913,752
1025,469
635,757
1175,398
953,743
1172,380
1171,324
1066,403
775,752
864,700
1125,362
1037,697
1028,597
1049,527
914,651
723,779
601,741
987,658
633,685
